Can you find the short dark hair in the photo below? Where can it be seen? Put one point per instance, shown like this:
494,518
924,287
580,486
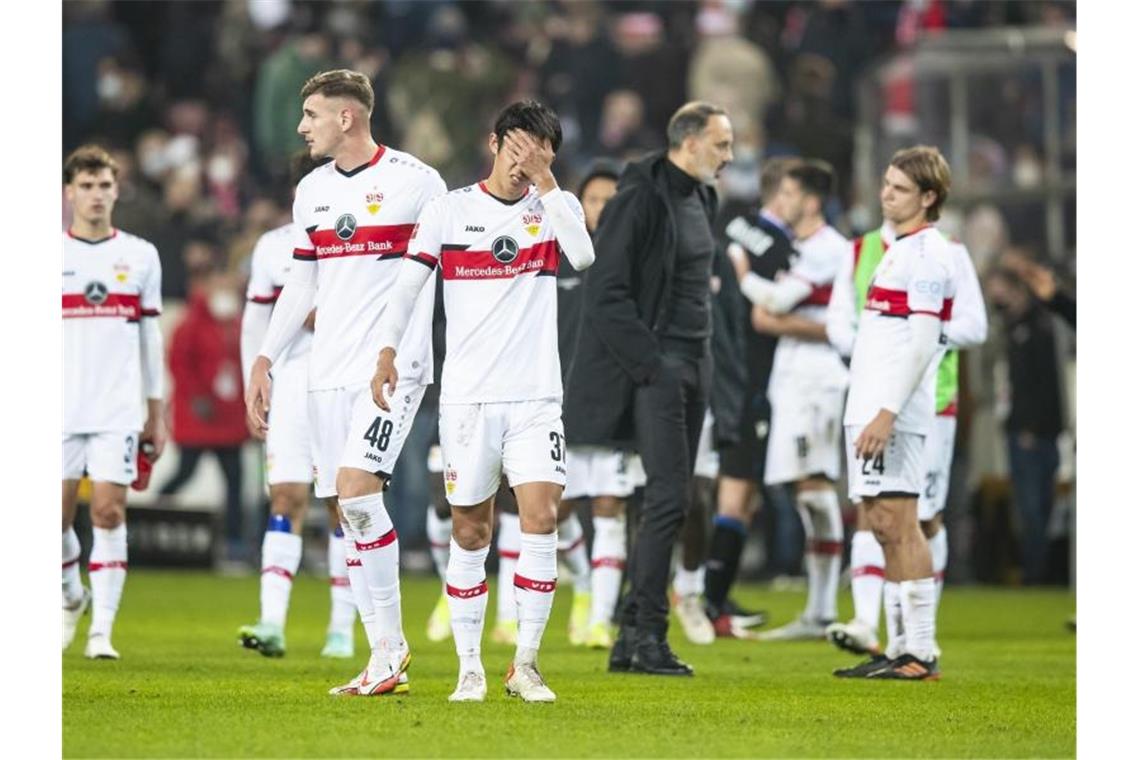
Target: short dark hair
690,119
774,171
88,158
601,168
532,117
815,177
343,83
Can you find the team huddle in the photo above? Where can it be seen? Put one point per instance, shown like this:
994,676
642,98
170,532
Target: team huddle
337,353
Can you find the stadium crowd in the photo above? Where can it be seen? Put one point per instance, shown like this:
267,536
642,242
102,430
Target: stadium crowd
198,104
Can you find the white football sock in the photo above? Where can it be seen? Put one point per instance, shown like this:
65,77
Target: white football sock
107,571
72,583
867,575
280,558
358,585
688,582
939,556
608,564
379,551
342,609
535,579
892,610
572,545
439,539
508,546
823,529
918,617
466,583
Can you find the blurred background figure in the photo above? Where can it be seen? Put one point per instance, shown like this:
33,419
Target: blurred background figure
207,410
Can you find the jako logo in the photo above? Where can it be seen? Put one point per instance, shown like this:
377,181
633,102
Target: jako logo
473,228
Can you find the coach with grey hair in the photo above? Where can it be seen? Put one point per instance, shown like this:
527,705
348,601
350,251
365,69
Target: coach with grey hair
642,369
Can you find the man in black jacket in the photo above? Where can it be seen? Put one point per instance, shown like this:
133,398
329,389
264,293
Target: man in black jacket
642,370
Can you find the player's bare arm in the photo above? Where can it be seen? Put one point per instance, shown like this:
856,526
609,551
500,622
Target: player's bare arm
791,325
257,397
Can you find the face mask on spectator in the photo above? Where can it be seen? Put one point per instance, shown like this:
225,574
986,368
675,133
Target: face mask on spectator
223,305
109,87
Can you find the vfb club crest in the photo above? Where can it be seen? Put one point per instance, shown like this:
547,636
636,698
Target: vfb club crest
505,249
345,226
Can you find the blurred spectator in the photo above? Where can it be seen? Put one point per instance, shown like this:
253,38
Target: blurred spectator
207,411
276,95
622,132
1043,284
89,36
1035,416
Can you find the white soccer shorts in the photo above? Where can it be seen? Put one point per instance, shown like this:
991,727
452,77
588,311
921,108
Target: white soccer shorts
105,457
435,460
938,455
898,469
637,477
288,444
349,430
708,460
596,471
803,437
523,439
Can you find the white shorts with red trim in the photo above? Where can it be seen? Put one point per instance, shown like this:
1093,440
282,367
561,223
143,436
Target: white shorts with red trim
480,442
897,470
349,430
596,471
288,444
938,456
803,435
104,457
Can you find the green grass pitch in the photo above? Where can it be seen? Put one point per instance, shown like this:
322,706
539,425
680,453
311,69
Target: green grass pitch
185,688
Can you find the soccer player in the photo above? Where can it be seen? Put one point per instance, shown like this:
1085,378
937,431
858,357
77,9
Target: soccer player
112,352
497,244
967,327
891,403
806,390
288,455
597,473
353,218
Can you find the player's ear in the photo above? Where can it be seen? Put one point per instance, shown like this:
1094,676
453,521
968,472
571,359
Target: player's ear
493,144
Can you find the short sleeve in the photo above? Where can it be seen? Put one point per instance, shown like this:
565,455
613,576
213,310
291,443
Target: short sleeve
929,280
151,297
427,236
303,248
261,287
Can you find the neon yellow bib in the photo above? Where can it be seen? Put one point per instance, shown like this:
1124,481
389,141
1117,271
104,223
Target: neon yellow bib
870,254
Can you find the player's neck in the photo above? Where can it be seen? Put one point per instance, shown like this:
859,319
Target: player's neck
90,230
355,152
914,224
503,188
808,227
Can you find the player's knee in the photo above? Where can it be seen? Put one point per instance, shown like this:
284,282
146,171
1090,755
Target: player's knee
608,506
471,534
351,483
285,503
538,521
108,513
885,525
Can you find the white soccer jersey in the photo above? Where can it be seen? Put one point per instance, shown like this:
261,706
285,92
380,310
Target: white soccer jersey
355,225
801,364
916,275
108,285
498,261
269,268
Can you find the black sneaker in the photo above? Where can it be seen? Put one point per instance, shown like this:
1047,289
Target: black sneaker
865,668
745,618
622,652
907,667
652,655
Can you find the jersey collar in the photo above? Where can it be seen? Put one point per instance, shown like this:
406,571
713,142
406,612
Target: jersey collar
504,201
371,162
73,236
912,232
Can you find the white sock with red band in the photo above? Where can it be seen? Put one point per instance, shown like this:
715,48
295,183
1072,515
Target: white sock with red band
917,599
823,526
939,556
508,546
608,564
379,551
280,558
439,539
342,608
867,562
572,545
72,583
466,584
358,585
892,609
535,579
107,570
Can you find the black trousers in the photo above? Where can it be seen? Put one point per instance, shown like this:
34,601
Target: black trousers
229,458
667,415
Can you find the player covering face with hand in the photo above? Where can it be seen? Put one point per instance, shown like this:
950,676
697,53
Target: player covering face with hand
497,245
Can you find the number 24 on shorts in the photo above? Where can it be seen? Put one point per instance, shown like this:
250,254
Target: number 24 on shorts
875,464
